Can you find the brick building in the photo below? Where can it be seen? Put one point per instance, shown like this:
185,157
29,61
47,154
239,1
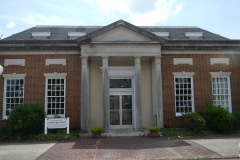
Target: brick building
119,76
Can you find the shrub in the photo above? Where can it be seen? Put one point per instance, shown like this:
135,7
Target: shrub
180,133
217,118
236,121
194,122
26,119
97,129
154,129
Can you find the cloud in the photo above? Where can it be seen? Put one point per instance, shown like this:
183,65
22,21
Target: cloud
11,24
141,12
36,18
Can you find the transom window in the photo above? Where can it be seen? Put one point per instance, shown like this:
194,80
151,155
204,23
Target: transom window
13,94
183,95
221,92
120,83
55,99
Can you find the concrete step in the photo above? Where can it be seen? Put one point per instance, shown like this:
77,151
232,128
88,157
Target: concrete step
119,133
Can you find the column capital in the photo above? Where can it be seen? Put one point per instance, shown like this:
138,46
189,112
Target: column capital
105,61
137,61
157,60
84,60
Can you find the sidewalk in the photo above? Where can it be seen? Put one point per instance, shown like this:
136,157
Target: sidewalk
122,148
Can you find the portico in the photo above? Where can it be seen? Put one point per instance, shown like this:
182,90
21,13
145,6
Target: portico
121,79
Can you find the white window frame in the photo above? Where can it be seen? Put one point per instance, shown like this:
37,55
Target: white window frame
11,77
183,75
54,75
222,75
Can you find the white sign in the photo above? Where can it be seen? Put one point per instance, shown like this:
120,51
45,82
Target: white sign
56,123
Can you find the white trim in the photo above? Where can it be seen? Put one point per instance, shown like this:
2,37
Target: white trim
223,75
183,73
39,52
219,61
200,52
55,75
177,61
55,61
8,77
220,74
124,73
8,62
121,71
14,75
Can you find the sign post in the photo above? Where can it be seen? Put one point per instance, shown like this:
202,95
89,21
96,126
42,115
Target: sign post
56,123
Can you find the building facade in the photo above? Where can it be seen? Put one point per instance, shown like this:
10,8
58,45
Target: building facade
119,76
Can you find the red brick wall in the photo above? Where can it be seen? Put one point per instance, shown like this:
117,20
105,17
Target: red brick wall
202,82
35,81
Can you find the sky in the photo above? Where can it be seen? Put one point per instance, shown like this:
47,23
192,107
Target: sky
218,16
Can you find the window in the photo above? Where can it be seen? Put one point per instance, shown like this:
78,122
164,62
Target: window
162,34
221,91
120,83
194,35
41,35
184,99
75,35
13,93
55,95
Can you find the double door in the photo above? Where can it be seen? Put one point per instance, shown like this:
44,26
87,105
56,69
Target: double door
121,110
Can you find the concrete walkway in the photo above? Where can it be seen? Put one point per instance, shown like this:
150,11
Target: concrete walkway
225,147
23,151
124,148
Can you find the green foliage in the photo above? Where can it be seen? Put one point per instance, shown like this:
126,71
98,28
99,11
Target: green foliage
236,121
186,133
3,133
194,122
26,120
97,129
59,136
154,129
217,118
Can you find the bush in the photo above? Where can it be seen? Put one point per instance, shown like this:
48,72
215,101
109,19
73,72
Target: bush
180,133
154,129
26,120
236,121
97,129
194,122
59,136
217,118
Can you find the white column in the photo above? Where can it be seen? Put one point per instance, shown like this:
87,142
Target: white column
105,87
138,93
84,95
157,92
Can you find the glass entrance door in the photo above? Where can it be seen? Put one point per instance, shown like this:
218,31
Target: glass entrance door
121,106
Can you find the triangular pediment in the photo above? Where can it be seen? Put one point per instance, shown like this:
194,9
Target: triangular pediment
120,31
121,34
